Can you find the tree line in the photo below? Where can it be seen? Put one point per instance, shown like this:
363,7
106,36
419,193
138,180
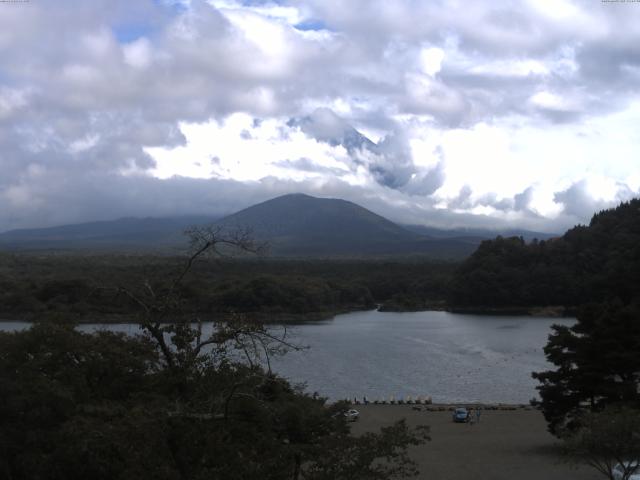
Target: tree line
591,263
49,286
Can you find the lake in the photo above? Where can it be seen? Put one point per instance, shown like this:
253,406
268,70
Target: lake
450,357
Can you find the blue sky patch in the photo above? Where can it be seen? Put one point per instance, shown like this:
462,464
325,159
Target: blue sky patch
132,32
308,25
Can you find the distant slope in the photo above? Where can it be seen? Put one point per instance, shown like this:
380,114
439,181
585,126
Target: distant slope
121,234
588,263
478,234
294,225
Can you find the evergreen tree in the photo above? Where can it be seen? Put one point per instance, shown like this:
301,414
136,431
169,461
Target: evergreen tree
597,364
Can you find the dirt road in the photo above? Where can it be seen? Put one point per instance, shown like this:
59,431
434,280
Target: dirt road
504,445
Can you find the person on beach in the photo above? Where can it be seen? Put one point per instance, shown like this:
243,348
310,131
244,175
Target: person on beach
478,413
471,417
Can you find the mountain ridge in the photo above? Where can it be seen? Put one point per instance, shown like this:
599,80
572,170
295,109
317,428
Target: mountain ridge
294,225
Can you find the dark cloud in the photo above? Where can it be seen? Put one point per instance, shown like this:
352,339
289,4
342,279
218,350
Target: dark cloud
579,205
389,161
324,125
426,182
463,200
522,200
577,201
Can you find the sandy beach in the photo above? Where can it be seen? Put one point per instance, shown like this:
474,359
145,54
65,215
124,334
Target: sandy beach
506,444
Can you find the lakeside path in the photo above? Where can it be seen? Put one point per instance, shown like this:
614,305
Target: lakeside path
505,445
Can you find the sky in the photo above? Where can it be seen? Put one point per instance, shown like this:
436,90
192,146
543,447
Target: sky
448,113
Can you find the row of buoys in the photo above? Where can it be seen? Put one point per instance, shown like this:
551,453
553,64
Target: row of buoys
392,400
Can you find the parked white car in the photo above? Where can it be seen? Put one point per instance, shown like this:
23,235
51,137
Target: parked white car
351,415
618,470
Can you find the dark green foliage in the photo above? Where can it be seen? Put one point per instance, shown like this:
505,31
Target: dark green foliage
597,364
290,294
606,439
32,286
586,264
55,380
104,406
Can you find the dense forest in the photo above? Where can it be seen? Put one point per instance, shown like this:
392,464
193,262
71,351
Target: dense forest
587,264
85,288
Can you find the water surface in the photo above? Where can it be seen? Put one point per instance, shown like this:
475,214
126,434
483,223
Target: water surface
450,357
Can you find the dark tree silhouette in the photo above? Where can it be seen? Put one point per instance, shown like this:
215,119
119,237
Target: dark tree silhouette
591,263
606,441
597,364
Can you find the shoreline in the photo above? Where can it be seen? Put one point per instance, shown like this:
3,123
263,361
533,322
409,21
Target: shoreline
450,406
554,311
126,319
280,318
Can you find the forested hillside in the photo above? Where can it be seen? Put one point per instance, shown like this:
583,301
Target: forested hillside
587,264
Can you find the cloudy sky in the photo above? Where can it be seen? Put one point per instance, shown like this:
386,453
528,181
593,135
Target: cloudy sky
443,112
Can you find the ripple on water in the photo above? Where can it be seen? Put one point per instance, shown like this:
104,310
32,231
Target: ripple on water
451,357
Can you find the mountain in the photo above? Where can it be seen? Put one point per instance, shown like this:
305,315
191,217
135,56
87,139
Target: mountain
293,225
299,224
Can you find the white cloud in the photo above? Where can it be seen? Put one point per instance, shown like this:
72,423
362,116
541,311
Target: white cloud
431,60
138,54
245,150
465,105
290,15
11,100
552,101
557,9
83,144
511,68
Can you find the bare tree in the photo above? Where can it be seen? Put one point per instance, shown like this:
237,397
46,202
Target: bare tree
180,338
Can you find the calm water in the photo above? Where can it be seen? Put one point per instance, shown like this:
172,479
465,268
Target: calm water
452,358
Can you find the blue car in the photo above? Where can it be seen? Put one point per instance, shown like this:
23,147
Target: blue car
460,415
